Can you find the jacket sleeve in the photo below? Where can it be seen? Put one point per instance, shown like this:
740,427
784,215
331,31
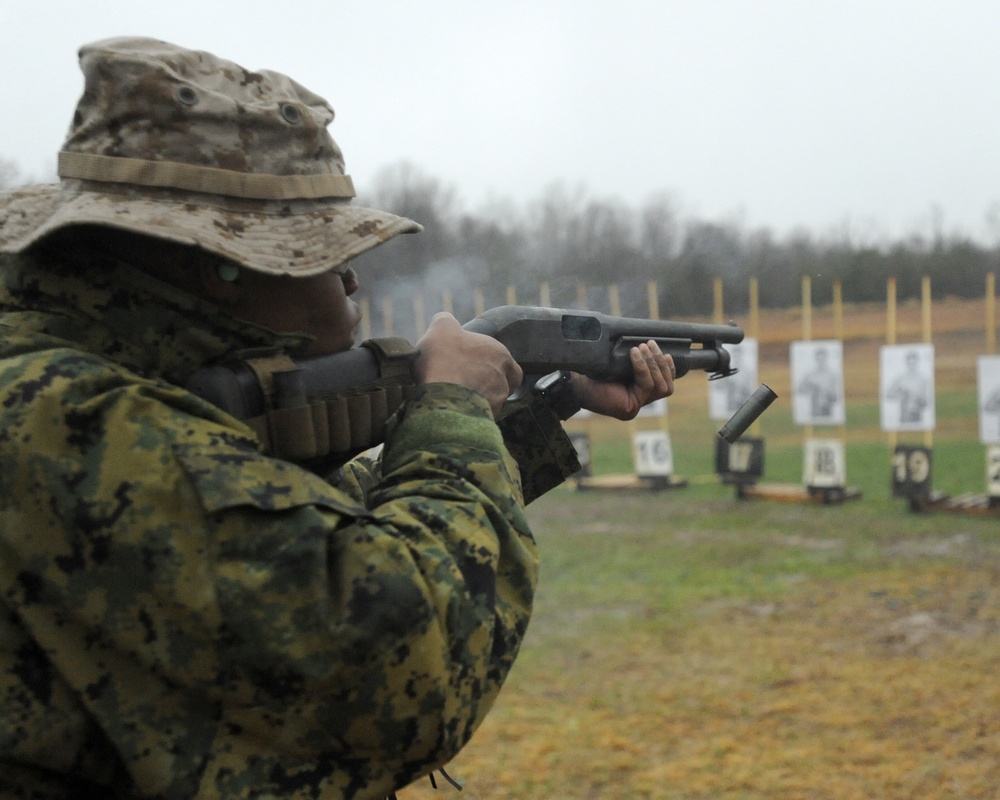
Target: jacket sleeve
535,438
533,435
365,644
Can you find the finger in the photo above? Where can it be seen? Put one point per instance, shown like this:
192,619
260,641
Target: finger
672,366
665,373
661,368
670,373
642,369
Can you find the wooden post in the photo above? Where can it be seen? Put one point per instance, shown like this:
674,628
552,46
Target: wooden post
806,308
544,297
925,307
447,303
511,295
614,301
838,333
479,301
838,311
419,323
991,314
653,300
753,331
890,318
890,338
366,319
387,316
717,310
581,296
807,430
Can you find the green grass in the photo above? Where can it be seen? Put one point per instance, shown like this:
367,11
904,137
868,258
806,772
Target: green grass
690,645
670,549
686,644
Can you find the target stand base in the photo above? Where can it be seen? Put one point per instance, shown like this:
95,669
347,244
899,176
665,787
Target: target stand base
628,483
796,493
981,504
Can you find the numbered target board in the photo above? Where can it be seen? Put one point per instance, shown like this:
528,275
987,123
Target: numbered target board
911,473
993,471
652,455
824,464
741,462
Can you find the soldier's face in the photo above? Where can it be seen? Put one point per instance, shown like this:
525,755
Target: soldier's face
319,305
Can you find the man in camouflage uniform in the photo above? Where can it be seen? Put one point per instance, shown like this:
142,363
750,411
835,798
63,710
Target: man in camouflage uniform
182,615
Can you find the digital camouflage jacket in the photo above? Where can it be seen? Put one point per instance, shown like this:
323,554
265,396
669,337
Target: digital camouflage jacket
183,617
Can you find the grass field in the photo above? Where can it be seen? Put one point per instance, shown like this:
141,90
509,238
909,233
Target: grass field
687,644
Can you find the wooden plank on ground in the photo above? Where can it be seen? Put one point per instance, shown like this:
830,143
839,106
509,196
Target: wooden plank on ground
796,493
628,483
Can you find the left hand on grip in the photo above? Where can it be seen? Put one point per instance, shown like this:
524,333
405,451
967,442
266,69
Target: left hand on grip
653,379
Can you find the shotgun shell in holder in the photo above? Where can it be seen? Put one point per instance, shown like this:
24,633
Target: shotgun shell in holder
746,415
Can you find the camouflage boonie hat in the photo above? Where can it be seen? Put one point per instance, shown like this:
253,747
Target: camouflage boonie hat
185,146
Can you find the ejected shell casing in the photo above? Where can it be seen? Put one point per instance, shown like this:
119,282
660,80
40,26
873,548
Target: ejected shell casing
753,407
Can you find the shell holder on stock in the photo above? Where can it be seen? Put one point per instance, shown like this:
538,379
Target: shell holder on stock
301,417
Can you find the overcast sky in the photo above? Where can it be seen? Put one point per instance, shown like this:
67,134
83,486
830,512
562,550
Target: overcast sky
881,116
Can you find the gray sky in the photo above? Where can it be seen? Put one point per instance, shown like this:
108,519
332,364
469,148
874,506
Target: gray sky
881,117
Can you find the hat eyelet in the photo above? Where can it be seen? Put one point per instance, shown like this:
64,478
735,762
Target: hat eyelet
291,114
186,95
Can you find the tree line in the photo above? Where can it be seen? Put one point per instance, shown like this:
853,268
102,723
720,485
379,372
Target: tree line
568,238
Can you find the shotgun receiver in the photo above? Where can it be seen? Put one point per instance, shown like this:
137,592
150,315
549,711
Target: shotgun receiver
541,340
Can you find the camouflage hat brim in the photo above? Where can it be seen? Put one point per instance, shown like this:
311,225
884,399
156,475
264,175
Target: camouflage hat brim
280,237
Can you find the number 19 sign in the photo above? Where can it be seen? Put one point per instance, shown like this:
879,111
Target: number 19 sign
911,474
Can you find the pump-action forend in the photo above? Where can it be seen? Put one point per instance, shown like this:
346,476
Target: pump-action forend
541,340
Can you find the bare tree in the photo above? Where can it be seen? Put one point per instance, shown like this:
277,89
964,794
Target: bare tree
406,190
554,220
659,235
572,241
